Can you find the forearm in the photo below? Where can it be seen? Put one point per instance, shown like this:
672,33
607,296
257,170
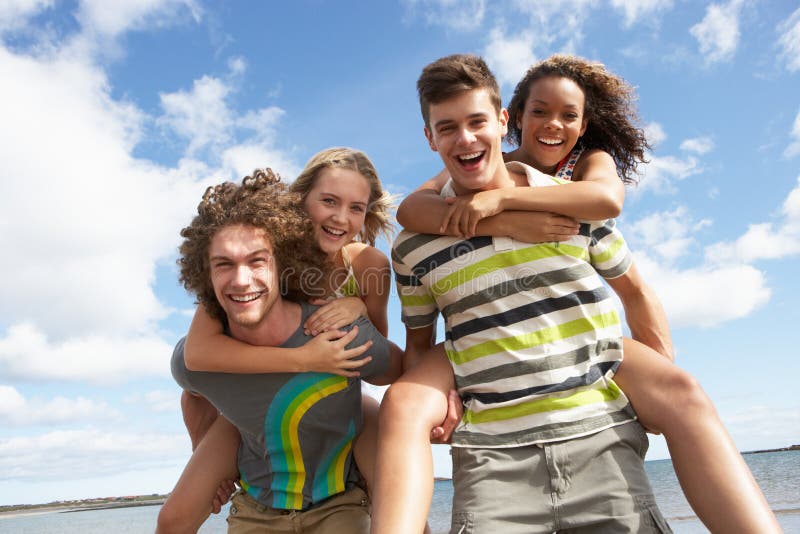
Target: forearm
222,353
648,322
423,212
585,200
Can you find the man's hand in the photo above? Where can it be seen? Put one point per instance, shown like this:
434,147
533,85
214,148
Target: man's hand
224,492
334,314
327,353
455,410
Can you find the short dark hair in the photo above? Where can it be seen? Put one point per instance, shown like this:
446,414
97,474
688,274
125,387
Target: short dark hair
263,202
452,75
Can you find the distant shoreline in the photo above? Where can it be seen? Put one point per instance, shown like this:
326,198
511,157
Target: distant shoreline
7,512
157,500
782,449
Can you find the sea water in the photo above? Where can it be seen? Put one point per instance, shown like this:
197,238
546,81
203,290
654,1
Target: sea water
778,474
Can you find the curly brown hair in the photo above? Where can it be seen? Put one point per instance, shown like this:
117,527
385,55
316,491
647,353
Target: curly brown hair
378,219
609,109
264,202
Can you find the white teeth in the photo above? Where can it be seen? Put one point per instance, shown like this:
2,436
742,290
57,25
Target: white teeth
474,155
246,298
549,141
333,231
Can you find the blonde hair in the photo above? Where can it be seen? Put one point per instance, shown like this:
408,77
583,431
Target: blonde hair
378,219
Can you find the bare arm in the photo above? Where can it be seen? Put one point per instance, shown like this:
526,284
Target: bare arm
596,193
209,349
371,269
643,312
418,342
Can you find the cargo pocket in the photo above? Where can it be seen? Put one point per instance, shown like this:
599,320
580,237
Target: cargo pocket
651,515
462,523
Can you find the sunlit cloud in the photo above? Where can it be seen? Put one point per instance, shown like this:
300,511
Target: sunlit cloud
90,452
15,13
718,33
698,145
766,240
452,14
26,353
794,136
16,410
789,41
510,56
636,10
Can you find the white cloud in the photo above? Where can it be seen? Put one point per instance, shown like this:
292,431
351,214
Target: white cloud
655,133
703,296
15,13
244,158
15,410
765,240
794,146
88,223
661,172
203,117
789,41
669,234
86,220
453,14
636,10
158,400
90,452
114,18
563,20
509,57
27,353
200,115
718,33
698,145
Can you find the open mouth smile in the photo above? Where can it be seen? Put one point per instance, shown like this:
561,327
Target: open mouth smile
471,160
550,141
333,231
248,297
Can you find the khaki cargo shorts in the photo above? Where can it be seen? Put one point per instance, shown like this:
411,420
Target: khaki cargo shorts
591,484
346,512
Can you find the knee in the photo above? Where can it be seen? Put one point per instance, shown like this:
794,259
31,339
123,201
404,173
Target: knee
410,405
688,393
170,520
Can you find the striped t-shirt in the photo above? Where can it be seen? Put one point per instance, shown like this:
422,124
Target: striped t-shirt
530,330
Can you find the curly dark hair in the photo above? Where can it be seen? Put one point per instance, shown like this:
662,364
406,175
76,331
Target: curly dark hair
609,109
264,202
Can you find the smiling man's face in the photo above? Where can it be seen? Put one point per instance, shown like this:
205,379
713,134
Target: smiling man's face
244,274
467,130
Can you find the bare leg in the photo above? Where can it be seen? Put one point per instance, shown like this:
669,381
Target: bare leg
365,447
213,461
412,406
198,415
714,477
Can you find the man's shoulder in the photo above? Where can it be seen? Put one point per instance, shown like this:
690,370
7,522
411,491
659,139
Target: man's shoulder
407,243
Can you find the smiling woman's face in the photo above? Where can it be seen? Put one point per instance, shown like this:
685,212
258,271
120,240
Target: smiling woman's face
337,205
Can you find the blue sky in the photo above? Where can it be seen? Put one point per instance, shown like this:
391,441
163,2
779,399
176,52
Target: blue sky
117,115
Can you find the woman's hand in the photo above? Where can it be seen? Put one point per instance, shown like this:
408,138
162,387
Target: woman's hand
334,314
328,353
466,211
